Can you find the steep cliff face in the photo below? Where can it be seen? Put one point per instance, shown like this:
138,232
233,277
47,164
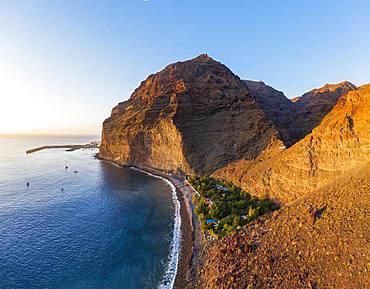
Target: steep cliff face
340,143
195,116
320,241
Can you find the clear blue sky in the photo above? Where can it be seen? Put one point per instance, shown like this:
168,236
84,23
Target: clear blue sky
65,64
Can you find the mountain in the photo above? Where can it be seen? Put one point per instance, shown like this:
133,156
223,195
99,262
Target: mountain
310,154
197,117
319,241
314,105
194,116
296,118
340,143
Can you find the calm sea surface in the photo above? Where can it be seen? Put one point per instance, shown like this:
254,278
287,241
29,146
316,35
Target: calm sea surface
110,227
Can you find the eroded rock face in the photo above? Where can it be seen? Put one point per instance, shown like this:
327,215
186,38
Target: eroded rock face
195,116
340,143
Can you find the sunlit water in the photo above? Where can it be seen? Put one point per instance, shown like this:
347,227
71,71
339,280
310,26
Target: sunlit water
110,227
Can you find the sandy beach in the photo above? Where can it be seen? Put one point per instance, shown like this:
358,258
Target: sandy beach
184,265
192,241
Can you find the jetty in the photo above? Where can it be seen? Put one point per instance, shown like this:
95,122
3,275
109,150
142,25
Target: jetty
68,147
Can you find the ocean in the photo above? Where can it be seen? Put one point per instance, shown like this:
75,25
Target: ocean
93,225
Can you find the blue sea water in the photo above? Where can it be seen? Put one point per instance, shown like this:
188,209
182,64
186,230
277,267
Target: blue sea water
110,227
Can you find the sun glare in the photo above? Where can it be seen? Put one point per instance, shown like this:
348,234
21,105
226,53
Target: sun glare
33,105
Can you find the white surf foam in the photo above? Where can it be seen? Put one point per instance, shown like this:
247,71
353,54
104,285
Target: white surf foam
168,279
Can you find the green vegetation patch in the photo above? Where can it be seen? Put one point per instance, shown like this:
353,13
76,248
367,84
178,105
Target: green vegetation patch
223,207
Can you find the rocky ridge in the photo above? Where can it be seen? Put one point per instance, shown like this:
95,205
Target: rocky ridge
198,118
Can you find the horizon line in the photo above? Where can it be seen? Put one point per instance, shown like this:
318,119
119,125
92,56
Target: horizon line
23,134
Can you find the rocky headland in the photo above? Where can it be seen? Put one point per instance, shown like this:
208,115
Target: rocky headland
194,116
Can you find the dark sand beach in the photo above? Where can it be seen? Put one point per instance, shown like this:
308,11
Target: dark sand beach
191,236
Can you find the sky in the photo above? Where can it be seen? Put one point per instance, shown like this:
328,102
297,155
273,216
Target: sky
65,64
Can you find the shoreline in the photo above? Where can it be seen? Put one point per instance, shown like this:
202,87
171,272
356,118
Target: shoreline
171,273
191,239
190,231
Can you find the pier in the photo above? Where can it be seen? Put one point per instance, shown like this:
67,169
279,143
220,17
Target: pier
68,147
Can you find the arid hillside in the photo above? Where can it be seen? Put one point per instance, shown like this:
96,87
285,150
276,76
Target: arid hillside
318,241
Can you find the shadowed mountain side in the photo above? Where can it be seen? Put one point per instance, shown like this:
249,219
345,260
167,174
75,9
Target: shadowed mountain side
276,106
338,144
319,241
